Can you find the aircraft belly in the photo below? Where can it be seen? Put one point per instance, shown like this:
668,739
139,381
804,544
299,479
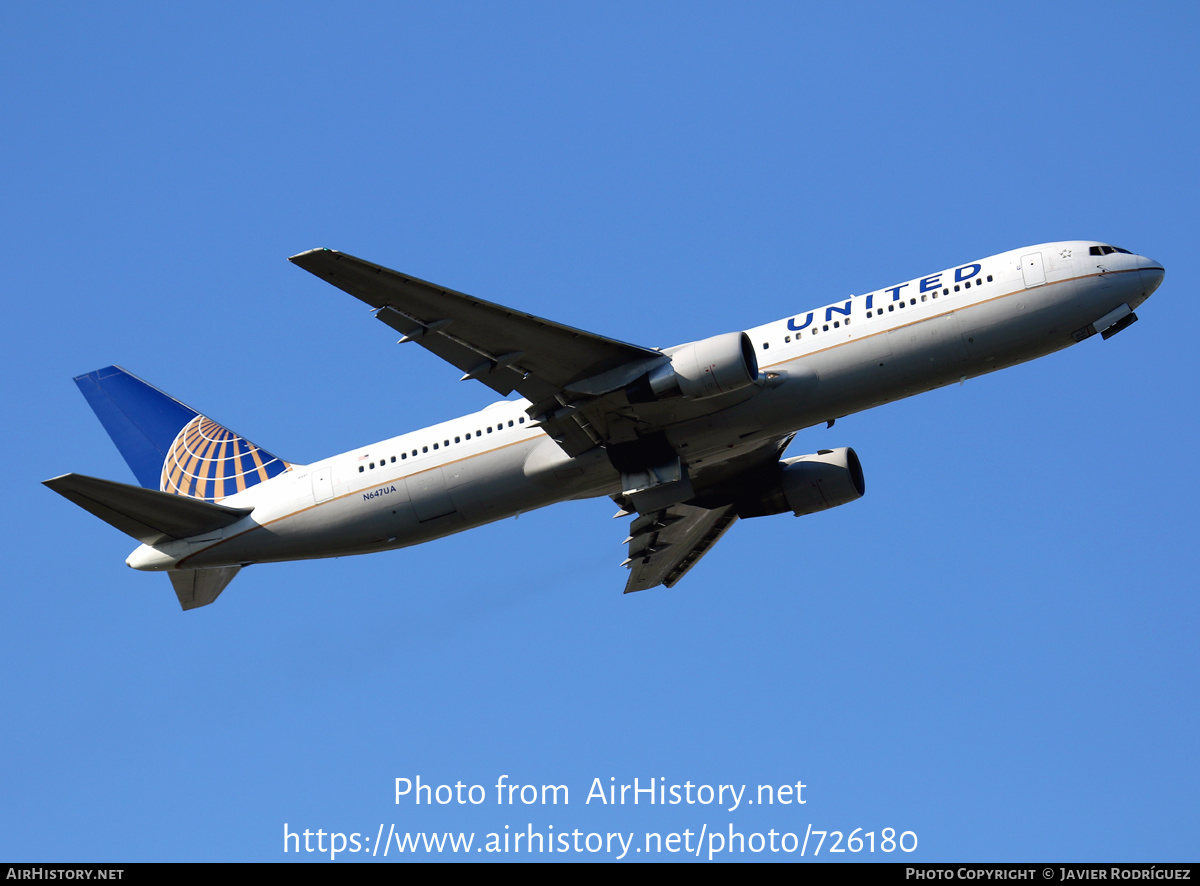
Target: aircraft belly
879,368
348,525
1023,326
930,348
581,476
415,509
928,354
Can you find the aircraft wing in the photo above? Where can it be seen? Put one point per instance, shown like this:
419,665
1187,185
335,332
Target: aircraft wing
665,544
549,364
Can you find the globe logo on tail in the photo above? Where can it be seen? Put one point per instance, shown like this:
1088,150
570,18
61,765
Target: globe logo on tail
210,462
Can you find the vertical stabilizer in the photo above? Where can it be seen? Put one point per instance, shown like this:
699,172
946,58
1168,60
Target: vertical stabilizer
169,446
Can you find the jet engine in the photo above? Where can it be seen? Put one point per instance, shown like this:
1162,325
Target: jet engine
807,484
701,369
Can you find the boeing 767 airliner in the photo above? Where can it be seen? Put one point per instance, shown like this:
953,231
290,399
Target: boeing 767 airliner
685,439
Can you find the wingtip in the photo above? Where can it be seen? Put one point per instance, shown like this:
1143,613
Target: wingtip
295,259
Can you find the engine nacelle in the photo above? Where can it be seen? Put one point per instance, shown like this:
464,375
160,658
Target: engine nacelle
809,484
701,369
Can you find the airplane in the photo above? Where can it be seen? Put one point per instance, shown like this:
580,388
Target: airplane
685,440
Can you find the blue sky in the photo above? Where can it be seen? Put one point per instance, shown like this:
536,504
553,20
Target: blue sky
994,649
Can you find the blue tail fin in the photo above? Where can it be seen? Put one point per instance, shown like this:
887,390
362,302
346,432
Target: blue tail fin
171,447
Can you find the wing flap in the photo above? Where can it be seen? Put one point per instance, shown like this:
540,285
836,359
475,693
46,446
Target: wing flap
146,514
665,544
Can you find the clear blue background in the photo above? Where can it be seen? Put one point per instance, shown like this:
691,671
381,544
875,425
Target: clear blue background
995,649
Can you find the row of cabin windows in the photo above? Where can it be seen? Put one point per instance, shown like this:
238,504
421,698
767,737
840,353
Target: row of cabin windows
879,311
467,436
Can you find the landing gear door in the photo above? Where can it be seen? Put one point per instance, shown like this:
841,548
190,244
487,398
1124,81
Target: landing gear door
1033,270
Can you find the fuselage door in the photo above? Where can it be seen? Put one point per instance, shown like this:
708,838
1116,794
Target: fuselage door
322,484
1033,269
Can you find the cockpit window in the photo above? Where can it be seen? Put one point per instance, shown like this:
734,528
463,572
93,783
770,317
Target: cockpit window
1107,250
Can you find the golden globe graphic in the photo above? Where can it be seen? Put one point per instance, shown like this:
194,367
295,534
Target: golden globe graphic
211,462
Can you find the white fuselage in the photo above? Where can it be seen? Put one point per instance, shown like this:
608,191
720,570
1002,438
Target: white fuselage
819,365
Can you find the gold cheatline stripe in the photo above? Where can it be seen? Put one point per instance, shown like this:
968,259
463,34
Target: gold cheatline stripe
395,479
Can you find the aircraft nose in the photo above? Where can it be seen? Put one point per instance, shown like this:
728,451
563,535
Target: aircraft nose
1151,273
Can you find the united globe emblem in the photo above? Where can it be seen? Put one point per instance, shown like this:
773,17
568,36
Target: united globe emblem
210,462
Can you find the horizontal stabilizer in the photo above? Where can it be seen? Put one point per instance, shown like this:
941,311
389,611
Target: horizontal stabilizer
149,516
199,587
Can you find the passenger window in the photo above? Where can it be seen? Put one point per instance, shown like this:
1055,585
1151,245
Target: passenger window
457,440
360,469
